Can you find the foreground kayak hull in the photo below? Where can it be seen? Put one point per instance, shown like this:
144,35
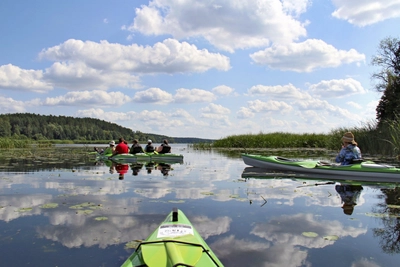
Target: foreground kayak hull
365,171
142,157
174,243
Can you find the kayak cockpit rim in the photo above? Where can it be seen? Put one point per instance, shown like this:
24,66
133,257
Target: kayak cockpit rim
178,242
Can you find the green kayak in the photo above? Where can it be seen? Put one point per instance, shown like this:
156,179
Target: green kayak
174,243
360,171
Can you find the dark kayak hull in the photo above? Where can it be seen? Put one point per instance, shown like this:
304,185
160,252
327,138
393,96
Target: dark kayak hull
364,171
174,243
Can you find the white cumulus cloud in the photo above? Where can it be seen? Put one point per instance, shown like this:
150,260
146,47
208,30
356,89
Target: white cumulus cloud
307,56
223,90
169,56
216,109
337,88
226,24
366,12
193,96
153,95
88,98
15,78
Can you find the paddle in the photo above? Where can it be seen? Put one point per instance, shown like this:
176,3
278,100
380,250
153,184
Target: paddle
316,184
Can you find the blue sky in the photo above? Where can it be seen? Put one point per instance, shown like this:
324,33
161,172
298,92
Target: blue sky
205,68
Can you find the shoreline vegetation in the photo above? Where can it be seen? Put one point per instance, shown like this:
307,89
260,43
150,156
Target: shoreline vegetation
376,142
383,142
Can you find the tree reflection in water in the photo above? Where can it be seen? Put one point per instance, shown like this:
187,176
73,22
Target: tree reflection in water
390,214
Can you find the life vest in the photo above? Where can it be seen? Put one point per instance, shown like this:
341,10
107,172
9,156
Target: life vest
165,149
136,149
149,148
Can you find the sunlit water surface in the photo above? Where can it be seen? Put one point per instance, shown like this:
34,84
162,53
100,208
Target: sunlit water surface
80,214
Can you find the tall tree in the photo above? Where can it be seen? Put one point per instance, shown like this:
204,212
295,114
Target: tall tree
5,127
388,79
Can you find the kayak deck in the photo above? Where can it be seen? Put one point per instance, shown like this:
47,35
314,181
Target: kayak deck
174,243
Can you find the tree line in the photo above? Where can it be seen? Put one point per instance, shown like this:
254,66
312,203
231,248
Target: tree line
49,127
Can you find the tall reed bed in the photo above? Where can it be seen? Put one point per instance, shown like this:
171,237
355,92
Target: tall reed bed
382,141
273,140
9,143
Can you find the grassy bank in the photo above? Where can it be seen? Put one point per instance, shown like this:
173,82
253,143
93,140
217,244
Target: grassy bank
372,141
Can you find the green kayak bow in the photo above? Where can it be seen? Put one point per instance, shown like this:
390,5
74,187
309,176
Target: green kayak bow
174,243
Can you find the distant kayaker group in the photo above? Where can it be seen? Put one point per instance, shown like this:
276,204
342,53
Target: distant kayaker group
123,148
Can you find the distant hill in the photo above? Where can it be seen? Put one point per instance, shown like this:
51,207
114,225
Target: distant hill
49,127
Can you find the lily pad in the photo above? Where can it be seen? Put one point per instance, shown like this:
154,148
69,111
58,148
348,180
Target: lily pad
132,244
331,237
378,215
234,196
101,218
49,206
84,212
24,209
310,234
207,193
393,206
176,201
86,205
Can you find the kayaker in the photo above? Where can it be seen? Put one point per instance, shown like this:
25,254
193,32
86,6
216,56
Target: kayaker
349,151
136,147
164,147
121,148
108,150
149,148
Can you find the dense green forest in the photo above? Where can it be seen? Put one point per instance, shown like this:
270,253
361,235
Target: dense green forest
49,127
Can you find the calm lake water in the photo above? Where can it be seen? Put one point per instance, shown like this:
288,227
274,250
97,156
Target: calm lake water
77,213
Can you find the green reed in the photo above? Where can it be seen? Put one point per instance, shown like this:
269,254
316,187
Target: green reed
9,143
273,140
382,141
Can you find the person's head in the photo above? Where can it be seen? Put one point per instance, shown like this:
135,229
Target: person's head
112,143
135,141
348,138
121,140
149,142
164,172
165,141
348,208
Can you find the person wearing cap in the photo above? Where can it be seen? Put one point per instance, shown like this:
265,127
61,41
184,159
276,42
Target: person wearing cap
350,151
110,149
122,147
136,147
164,147
149,148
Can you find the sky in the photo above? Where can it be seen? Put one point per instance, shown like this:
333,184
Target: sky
196,68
